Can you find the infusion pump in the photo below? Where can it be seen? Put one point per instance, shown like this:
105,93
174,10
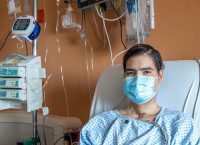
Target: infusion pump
21,82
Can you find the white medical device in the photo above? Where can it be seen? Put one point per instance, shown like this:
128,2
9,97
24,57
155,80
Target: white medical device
21,82
25,27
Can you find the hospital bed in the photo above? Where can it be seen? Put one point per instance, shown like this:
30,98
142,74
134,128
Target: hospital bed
17,125
178,91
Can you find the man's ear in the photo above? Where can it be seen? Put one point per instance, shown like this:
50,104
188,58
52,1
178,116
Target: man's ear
160,76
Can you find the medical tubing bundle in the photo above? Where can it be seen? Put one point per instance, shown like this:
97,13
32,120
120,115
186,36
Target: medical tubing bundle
160,128
87,69
109,44
83,34
49,76
97,28
45,27
120,23
111,20
61,68
92,53
58,49
100,13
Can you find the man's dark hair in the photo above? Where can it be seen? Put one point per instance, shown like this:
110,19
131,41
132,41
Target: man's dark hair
140,49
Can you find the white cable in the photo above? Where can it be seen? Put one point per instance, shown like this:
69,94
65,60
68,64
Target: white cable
65,91
59,52
45,60
46,53
152,20
91,50
136,12
119,54
97,28
58,15
111,20
141,24
87,68
111,55
45,26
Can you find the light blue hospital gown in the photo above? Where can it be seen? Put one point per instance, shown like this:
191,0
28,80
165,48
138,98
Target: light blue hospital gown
113,128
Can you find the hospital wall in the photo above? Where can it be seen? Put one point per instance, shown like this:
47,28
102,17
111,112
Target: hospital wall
176,36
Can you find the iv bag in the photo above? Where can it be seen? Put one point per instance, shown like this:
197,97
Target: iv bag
68,19
137,21
14,8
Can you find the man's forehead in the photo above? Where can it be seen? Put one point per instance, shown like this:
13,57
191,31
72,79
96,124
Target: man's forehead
140,63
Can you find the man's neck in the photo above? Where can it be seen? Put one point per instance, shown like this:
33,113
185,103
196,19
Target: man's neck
143,111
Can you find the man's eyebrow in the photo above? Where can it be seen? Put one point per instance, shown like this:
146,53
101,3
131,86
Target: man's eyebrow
146,68
129,69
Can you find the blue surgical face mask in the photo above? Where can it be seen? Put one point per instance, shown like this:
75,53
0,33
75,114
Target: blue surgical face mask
139,89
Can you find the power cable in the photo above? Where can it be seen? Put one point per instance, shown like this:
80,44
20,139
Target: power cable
26,47
120,23
5,40
58,140
44,132
38,135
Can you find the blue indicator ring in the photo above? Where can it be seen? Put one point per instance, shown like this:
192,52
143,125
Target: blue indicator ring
36,32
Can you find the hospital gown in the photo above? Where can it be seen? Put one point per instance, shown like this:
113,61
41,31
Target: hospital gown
113,128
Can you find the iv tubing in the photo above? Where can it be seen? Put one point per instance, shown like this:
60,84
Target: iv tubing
100,15
111,55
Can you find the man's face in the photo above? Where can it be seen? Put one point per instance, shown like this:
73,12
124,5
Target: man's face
143,65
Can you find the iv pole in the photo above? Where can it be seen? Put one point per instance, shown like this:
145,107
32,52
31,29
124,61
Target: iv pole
34,140
34,51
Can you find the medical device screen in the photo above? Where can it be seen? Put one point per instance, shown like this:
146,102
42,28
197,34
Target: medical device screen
2,82
22,24
3,94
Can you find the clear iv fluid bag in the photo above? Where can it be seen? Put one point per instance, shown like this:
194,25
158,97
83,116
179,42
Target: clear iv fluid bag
137,21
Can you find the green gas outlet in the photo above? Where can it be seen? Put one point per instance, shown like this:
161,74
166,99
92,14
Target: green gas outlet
31,141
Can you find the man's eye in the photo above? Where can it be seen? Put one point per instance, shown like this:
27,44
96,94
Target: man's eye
147,72
130,73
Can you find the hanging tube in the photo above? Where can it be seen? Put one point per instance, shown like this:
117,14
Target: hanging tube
34,44
152,20
34,49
